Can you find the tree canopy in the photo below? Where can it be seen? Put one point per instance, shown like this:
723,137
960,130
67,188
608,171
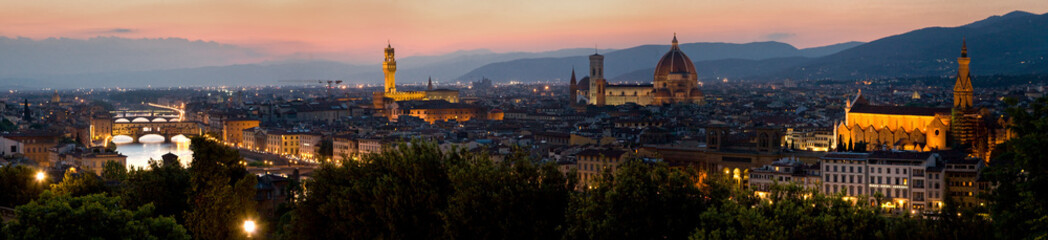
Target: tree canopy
221,193
94,216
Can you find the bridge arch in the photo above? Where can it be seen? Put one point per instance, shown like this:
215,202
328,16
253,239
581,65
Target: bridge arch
140,120
159,119
180,138
122,139
122,120
152,138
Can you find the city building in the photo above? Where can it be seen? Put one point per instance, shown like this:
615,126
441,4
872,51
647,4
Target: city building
594,161
785,171
233,130
36,145
818,139
91,159
675,81
309,145
893,127
878,127
369,145
911,180
845,172
438,110
390,93
901,181
345,148
283,142
963,182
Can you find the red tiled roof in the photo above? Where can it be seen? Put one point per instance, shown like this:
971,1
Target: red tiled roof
898,110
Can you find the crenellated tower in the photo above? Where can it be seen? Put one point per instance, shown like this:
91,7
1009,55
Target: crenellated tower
389,67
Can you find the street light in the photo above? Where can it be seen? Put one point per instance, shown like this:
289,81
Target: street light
40,176
249,227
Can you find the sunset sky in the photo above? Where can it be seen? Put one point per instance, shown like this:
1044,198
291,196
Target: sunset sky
356,28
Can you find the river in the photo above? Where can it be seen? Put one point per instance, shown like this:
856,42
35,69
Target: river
139,154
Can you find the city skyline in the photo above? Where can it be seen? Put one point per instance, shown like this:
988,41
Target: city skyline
350,31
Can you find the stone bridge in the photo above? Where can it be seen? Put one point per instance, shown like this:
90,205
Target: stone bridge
136,130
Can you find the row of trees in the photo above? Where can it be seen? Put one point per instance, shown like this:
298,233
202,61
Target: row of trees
206,200
420,192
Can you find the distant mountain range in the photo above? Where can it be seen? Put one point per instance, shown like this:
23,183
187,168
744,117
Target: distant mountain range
1015,43
642,58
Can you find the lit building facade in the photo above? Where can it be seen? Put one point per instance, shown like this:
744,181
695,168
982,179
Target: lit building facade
390,93
922,128
345,148
845,173
233,130
282,142
899,181
785,171
309,143
592,162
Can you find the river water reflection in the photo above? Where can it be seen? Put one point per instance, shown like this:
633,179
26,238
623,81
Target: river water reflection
139,154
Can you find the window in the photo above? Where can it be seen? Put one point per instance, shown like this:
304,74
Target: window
851,169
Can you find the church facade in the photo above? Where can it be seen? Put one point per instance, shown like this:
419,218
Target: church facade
873,127
675,81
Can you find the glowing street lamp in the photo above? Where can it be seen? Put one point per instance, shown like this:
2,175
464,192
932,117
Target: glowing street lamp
40,176
249,227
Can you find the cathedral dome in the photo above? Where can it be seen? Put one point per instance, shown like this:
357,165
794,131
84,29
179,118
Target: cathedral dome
674,62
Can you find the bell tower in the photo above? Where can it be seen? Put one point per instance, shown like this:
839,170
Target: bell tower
963,119
962,89
597,82
389,67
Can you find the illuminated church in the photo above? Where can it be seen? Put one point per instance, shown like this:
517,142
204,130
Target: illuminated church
922,128
675,81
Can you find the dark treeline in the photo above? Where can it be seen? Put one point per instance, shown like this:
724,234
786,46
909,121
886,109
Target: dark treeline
420,192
